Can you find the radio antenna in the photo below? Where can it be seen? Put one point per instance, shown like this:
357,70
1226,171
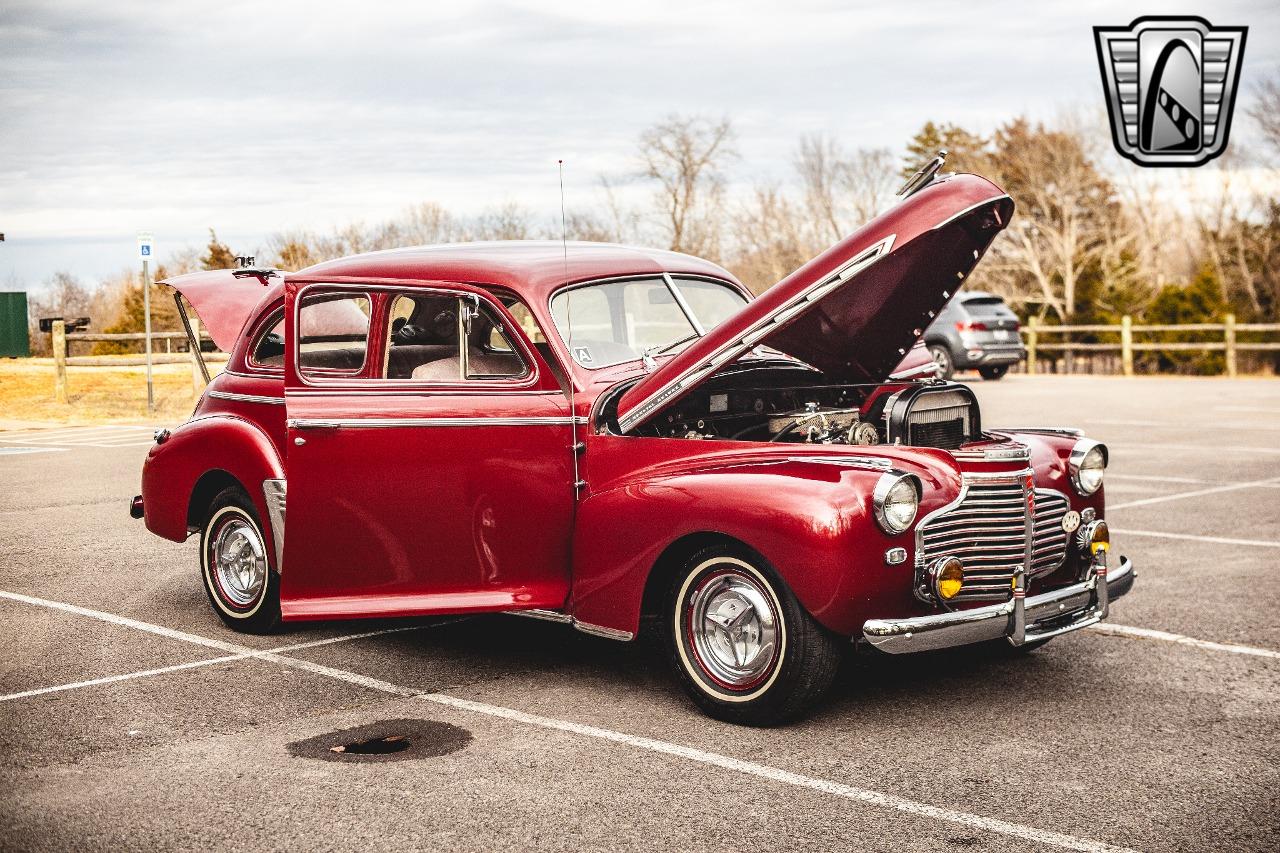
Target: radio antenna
578,446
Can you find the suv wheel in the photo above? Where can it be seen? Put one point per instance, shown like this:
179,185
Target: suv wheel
994,373
742,646
942,358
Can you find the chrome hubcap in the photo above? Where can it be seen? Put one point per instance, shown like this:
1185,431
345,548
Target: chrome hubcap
239,562
734,629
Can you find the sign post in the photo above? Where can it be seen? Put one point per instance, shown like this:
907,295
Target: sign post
146,250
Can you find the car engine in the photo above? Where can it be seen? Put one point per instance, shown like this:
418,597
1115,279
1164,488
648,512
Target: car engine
924,415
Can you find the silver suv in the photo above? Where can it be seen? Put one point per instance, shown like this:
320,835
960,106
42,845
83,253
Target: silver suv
975,331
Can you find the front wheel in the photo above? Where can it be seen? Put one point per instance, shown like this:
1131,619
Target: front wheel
243,587
740,643
994,373
942,360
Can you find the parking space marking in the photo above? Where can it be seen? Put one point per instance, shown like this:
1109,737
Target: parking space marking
1150,634
1203,448
1190,481
108,435
18,451
839,789
1229,487
196,664
1217,540
1167,425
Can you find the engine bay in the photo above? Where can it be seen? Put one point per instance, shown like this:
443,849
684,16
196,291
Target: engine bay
777,408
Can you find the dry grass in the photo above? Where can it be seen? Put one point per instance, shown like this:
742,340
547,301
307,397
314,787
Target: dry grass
96,394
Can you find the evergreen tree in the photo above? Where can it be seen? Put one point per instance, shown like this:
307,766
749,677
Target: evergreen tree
218,256
966,152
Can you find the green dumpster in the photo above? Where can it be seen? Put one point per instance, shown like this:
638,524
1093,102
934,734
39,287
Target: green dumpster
15,339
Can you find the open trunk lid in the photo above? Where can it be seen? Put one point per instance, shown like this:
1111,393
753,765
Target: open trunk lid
854,311
224,300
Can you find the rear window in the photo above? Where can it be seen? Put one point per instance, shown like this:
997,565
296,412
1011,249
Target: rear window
984,302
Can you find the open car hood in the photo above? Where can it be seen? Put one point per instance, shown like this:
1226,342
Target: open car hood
854,311
224,301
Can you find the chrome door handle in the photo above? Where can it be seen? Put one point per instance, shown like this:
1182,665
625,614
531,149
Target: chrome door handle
297,423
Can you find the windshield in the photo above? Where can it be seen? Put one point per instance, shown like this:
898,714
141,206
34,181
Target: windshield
616,321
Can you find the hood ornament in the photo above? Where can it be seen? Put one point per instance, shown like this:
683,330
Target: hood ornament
924,176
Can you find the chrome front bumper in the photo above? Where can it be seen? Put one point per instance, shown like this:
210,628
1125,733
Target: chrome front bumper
1020,620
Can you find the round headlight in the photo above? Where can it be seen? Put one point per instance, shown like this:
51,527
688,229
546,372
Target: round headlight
896,499
1088,462
947,575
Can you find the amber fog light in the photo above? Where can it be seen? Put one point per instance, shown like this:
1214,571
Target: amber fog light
1095,537
948,578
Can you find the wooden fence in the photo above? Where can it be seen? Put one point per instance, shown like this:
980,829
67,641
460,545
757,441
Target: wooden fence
62,341
1225,342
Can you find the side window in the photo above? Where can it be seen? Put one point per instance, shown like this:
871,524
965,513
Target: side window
426,335
269,351
333,334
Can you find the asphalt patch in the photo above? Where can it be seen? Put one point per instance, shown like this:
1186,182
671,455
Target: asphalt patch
385,740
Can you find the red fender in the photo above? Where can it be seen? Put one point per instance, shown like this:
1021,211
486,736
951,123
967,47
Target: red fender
207,444
812,520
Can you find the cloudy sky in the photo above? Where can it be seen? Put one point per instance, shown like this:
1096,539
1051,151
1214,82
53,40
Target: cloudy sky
259,117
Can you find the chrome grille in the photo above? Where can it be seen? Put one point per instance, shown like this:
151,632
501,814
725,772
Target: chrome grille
987,531
1049,545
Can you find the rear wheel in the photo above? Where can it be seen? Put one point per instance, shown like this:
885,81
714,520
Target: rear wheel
234,560
740,643
943,360
994,373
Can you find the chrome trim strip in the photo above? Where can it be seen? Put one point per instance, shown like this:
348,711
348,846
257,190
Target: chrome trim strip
566,619
756,332
247,398
944,630
875,463
274,494
999,453
1070,432
544,615
403,423
602,631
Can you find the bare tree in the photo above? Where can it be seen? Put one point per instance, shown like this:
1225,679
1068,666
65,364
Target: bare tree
820,164
1266,112
686,156
771,239
1065,210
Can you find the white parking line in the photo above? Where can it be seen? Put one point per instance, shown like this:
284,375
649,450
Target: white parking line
762,771
110,435
1217,540
1230,487
1168,425
1202,448
18,451
1180,639
1187,480
128,676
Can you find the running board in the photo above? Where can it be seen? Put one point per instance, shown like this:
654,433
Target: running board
566,619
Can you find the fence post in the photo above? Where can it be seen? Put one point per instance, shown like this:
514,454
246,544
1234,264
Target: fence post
1032,335
1126,344
197,380
60,361
1229,342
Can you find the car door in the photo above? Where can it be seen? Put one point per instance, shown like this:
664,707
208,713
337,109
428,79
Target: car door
429,455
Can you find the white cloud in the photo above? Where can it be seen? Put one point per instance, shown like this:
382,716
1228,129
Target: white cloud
258,117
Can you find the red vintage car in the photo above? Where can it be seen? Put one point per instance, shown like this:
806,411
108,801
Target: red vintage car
597,434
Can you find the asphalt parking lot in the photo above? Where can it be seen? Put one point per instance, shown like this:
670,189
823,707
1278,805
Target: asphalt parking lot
132,719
